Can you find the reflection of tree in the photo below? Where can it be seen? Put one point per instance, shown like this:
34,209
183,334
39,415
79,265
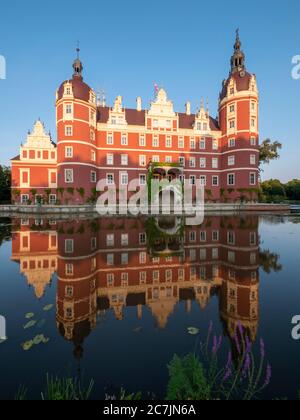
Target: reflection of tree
269,261
5,230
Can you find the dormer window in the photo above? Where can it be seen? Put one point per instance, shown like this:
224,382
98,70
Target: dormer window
199,126
231,91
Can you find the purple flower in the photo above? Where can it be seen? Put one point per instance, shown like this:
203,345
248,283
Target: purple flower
262,349
227,375
229,361
247,365
237,343
240,328
248,345
268,375
215,345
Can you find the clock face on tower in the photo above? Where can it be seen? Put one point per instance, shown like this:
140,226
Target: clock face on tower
242,73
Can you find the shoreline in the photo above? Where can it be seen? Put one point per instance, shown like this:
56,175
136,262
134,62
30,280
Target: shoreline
90,210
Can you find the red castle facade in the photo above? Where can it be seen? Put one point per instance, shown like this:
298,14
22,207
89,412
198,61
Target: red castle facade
95,141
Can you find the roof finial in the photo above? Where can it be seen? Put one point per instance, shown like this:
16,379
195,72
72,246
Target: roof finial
78,49
77,65
238,58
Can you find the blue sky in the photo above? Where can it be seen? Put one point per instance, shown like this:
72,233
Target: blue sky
127,45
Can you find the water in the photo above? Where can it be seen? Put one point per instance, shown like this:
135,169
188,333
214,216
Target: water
125,291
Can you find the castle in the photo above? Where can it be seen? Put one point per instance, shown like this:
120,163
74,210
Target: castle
96,141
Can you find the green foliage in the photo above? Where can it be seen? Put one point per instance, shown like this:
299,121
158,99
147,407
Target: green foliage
5,184
81,192
292,189
68,389
269,151
187,380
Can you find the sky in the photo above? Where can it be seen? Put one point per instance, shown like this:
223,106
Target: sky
126,46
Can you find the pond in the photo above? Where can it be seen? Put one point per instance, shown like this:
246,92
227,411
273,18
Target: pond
113,299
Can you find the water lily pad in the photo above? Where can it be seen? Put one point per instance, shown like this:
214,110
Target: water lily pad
27,345
193,331
38,339
30,324
45,340
29,315
48,308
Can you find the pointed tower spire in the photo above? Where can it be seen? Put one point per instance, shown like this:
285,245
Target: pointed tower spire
77,65
238,58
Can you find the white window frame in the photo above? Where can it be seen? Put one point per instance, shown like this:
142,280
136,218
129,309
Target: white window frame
71,178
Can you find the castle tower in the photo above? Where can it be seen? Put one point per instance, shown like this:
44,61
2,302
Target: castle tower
238,119
76,115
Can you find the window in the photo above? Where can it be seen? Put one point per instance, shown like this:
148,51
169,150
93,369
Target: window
215,163
181,143
231,160
215,235
124,239
182,161
93,176
253,106
202,144
110,278
168,123
124,140
192,143
231,179
142,160
143,277
69,130
69,178
110,259
93,156
143,257
203,236
93,243
69,246
143,238
192,180
155,142
193,236
124,178
110,240
69,269
110,179
215,144
253,238
52,199
124,160
203,180
215,181
143,180
92,135
231,238
253,141
124,259
231,108
252,160
192,162
168,159
110,159
231,91
69,109
142,140
169,142
252,178
155,123
232,124
231,143
202,162
24,198
215,253
199,126
124,279
110,139
69,152
155,159
253,123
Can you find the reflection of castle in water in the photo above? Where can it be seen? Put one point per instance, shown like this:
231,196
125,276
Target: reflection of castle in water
111,264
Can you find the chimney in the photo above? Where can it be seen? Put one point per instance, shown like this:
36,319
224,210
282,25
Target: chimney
188,108
139,103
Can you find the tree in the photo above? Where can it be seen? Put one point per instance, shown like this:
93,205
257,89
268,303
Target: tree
269,151
292,189
273,188
5,184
